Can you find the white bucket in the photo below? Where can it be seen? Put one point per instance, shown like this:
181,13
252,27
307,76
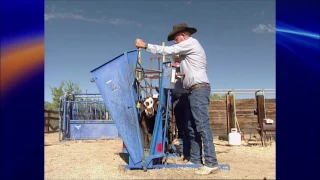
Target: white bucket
234,137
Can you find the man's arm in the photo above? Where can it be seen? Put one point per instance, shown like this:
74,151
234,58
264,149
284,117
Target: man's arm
181,48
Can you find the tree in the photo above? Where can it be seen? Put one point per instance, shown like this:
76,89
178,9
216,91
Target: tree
65,86
216,96
49,106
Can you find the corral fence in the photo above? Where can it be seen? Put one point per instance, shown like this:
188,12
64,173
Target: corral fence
231,111
254,116
51,121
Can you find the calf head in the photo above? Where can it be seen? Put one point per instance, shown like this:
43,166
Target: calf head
149,106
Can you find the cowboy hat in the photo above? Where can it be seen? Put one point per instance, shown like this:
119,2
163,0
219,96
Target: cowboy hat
179,28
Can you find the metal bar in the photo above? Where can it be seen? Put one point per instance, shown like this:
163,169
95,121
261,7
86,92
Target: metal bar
153,87
148,70
221,92
225,167
137,83
157,57
60,117
143,89
139,64
243,89
159,67
150,79
90,94
91,138
90,102
139,61
146,83
163,57
88,98
139,70
95,110
145,69
168,100
101,110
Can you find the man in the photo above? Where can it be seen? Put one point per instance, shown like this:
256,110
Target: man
179,101
193,64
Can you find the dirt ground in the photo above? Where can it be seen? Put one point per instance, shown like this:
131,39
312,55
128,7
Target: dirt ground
99,159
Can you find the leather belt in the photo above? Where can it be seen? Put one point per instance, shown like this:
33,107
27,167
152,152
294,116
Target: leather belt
179,95
199,86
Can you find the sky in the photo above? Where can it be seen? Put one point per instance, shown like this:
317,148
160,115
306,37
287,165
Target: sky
237,35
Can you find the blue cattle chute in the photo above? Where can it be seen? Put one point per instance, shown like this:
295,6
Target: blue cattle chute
116,83
94,129
84,116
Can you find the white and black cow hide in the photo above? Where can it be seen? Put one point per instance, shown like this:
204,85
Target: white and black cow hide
149,108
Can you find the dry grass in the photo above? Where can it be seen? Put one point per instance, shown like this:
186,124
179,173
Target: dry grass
99,159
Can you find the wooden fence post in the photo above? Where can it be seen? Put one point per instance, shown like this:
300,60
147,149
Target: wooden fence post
261,114
51,117
231,123
48,120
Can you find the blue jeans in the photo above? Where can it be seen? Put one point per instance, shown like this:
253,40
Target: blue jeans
180,116
199,127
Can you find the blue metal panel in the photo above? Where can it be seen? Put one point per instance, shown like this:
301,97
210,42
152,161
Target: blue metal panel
115,80
92,129
167,73
158,137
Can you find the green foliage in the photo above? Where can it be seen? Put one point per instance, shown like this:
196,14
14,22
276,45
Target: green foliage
49,106
65,86
217,96
83,107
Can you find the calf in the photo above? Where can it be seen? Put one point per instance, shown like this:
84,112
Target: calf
149,108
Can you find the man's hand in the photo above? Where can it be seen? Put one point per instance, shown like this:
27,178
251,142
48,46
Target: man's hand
176,64
140,43
179,75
